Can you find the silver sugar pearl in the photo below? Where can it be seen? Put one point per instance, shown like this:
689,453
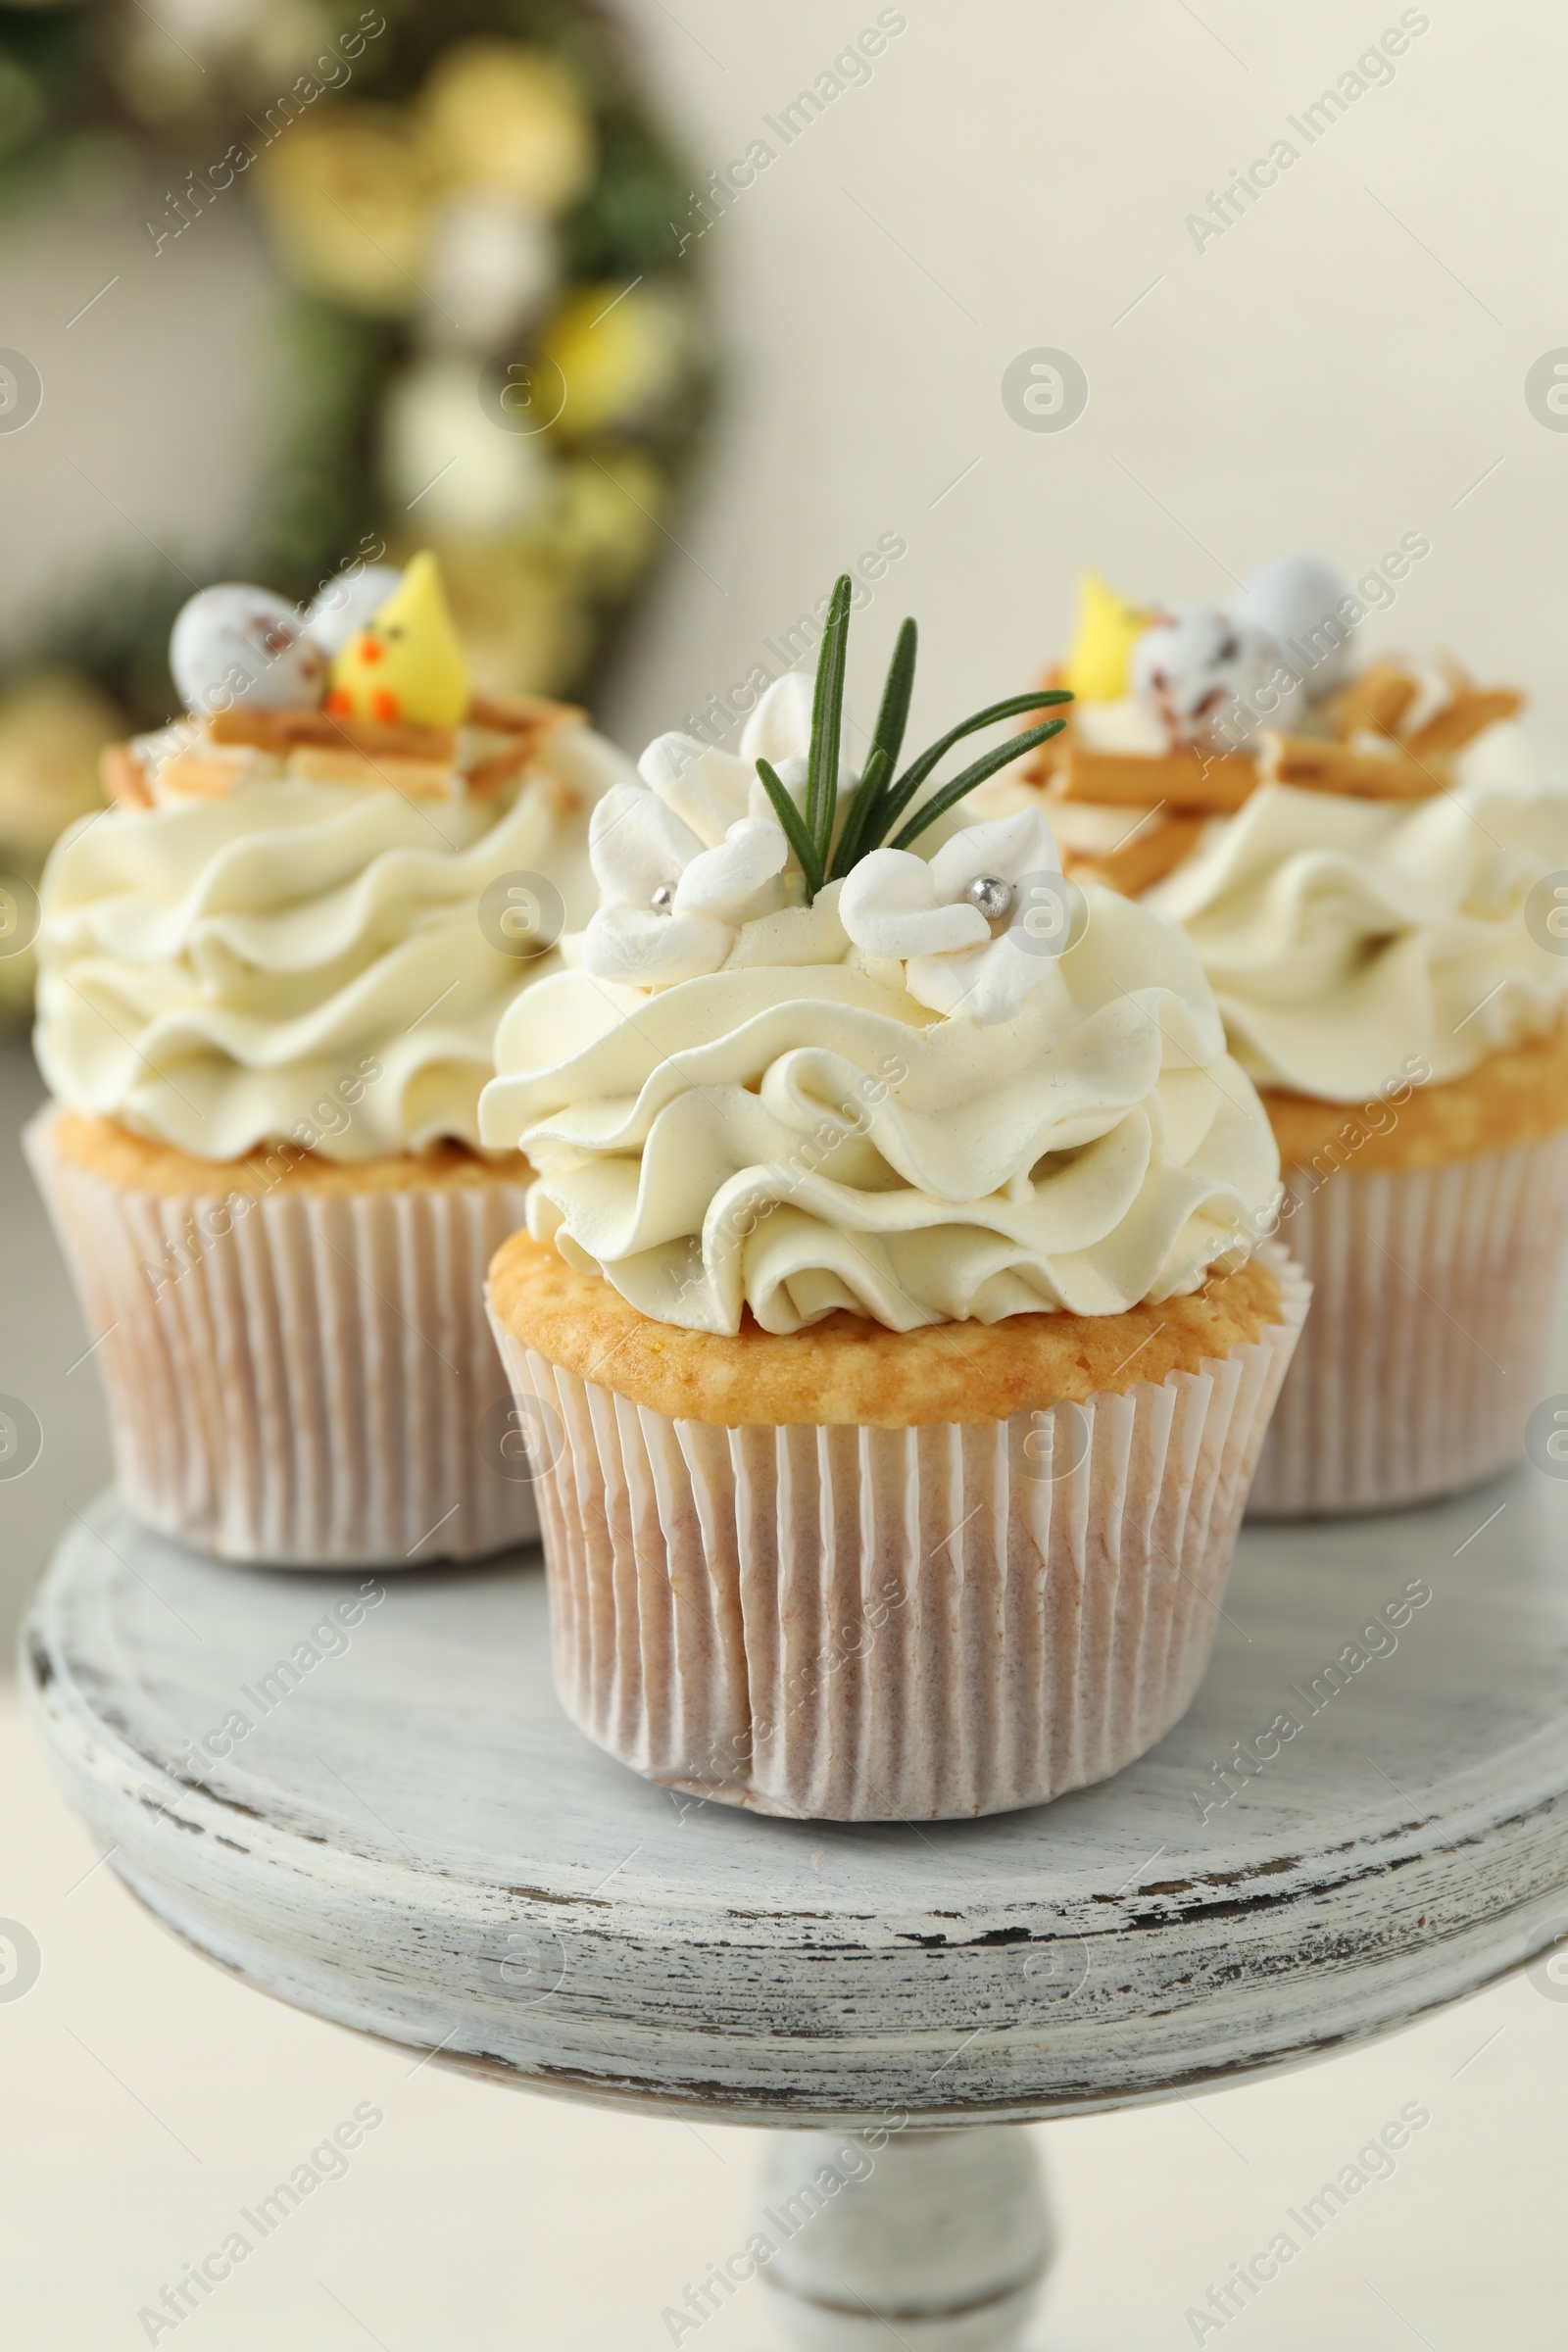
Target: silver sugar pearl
662,900
991,895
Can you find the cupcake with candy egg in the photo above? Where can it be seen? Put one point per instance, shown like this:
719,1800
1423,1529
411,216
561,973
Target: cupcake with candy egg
888,1326
1367,859
271,978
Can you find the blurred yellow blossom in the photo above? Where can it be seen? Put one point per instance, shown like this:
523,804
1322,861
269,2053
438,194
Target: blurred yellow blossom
495,114
349,198
621,353
52,729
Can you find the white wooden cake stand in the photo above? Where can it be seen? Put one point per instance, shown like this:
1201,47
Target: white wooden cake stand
392,1824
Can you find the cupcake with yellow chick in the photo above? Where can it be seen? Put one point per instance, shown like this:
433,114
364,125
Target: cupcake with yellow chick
1369,859
270,977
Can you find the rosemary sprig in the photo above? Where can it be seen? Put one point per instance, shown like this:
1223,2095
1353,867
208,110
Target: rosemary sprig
828,722
943,800
794,824
866,794
887,742
915,774
877,803
893,715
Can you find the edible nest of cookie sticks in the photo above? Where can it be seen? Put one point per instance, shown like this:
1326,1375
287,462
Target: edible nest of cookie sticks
496,740
1369,754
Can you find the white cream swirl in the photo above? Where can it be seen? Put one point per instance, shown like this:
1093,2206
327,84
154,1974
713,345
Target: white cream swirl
1342,937
798,1133
215,973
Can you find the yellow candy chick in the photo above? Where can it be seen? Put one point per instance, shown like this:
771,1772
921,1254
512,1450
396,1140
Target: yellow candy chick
406,663
1108,627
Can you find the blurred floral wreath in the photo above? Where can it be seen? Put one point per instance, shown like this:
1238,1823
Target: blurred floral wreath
493,348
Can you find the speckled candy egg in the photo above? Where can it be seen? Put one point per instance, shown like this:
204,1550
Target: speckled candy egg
1295,599
237,644
1208,677
346,603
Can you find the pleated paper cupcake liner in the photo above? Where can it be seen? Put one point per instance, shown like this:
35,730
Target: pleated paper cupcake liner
1431,1297
857,1624
309,1383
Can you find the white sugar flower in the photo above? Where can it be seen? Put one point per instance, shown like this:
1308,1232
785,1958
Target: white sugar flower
671,904
728,879
682,864
978,926
780,727
707,789
710,788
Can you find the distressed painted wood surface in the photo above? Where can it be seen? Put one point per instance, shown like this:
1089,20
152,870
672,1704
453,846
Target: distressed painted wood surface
407,1836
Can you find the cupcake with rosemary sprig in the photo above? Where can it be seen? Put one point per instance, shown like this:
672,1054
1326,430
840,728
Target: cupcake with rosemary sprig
270,977
889,1325
1366,858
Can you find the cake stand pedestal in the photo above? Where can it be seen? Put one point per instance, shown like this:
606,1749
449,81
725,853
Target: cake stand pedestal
363,1798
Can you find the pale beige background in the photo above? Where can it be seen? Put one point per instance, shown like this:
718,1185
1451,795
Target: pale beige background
1339,368
1323,375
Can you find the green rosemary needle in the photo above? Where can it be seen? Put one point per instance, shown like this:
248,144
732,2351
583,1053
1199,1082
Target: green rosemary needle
878,802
